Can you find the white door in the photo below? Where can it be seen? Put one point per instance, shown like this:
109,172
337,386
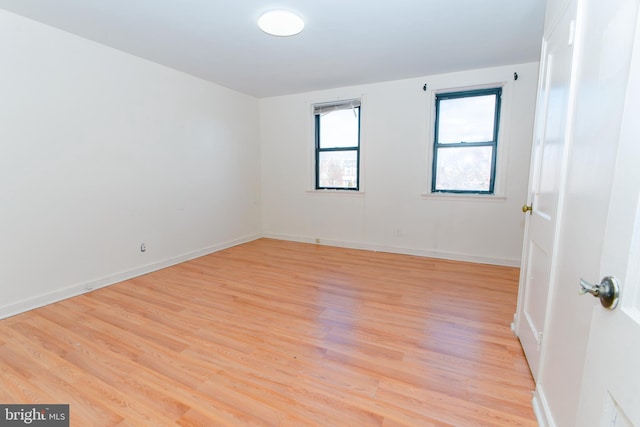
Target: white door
545,182
610,391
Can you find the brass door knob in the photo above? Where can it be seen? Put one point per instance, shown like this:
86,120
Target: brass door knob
527,208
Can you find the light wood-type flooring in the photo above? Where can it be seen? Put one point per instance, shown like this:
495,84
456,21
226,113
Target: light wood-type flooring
275,333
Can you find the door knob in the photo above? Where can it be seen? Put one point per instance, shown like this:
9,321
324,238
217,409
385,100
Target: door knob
527,208
607,290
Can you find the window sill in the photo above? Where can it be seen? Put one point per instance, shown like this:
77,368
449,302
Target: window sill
339,193
491,198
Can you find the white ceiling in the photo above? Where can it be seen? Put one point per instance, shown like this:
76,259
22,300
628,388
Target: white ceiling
345,42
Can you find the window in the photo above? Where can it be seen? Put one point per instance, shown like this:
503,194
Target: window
466,140
337,140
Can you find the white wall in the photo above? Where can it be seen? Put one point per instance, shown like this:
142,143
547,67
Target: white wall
392,213
101,151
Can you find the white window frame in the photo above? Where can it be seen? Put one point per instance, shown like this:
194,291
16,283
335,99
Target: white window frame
311,152
502,147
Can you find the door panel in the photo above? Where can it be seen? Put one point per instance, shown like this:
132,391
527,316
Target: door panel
533,311
547,169
610,392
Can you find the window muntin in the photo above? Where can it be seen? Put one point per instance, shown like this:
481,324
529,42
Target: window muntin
465,143
337,145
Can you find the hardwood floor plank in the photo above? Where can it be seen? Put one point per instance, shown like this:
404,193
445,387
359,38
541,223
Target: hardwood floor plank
42,379
275,333
466,413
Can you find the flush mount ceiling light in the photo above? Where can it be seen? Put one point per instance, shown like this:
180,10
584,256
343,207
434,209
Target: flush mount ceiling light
280,23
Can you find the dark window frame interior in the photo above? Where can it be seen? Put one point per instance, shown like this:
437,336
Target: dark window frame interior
318,150
497,91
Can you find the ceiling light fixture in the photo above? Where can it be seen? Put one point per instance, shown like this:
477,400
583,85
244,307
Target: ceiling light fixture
280,23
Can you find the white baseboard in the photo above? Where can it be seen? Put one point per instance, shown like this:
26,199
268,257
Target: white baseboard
398,250
84,287
90,285
541,409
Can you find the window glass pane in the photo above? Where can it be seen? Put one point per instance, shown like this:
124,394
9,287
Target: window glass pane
338,169
464,168
468,119
339,128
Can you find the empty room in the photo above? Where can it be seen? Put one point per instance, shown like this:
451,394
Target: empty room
305,213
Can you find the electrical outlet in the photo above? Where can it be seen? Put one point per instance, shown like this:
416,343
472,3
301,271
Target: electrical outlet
143,247
317,241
